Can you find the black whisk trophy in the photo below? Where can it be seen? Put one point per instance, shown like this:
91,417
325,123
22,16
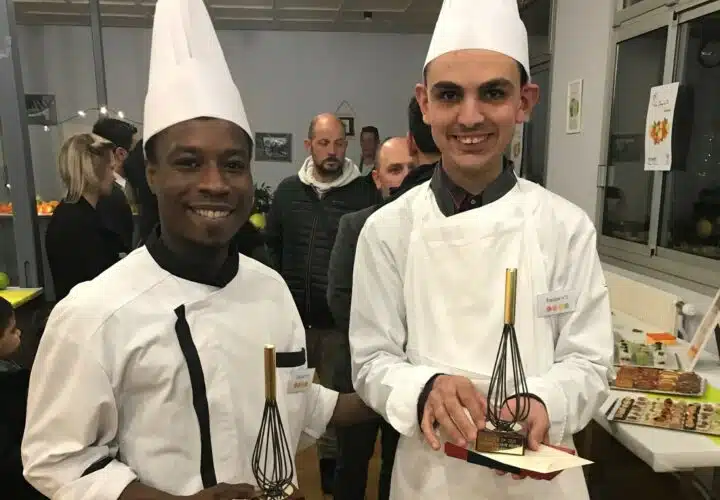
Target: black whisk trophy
272,458
502,434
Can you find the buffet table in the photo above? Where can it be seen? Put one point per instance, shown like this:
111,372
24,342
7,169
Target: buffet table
666,450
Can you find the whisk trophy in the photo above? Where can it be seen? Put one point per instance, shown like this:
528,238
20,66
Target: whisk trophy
272,458
503,430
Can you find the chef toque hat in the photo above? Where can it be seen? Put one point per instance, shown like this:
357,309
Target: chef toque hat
189,77
480,24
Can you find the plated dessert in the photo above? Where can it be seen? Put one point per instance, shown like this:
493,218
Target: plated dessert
635,378
668,413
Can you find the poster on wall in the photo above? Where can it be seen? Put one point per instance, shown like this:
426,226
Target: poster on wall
659,125
272,146
516,147
41,109
573,120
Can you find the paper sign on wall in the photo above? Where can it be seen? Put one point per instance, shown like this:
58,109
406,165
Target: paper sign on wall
659,125
516,148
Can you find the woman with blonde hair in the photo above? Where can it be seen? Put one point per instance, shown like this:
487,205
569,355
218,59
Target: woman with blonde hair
78,245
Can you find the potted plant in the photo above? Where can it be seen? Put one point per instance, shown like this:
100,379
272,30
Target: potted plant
263,199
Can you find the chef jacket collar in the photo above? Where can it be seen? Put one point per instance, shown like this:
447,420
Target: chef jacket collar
453,199
192,269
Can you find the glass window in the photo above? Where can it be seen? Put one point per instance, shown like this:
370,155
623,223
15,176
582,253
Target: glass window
691,203
640,65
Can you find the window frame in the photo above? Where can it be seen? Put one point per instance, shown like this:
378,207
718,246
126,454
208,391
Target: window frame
690,271
624,14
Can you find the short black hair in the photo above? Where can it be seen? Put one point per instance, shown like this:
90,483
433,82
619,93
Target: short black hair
369,129
151,144
6,314
524,78
419,130
116,131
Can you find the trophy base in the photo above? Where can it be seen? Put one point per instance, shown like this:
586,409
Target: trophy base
289,492
494,441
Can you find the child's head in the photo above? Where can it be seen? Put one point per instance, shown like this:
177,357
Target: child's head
9,332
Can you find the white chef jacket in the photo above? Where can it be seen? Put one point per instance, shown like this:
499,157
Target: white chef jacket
397,343
116,394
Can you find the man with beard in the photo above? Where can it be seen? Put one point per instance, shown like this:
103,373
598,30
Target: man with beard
301,228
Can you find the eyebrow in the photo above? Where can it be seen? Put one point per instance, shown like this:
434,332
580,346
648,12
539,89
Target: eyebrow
494,83
183,149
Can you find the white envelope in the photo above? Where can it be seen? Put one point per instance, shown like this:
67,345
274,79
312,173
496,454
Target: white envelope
544,461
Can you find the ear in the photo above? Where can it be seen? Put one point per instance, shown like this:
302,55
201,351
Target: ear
375,179
423,99
308,143
529,96
412,146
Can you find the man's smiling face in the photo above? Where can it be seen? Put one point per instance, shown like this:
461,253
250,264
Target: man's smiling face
202,180
472,100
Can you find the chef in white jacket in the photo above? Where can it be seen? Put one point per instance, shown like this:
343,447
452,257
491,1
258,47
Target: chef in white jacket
149,380
428,286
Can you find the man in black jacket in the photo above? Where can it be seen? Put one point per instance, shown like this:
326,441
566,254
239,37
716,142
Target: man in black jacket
114,209
357,443
300,232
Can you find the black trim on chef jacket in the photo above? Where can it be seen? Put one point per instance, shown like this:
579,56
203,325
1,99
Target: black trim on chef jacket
446,193
197,272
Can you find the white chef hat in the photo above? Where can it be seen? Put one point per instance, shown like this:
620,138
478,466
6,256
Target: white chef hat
189,77
480,24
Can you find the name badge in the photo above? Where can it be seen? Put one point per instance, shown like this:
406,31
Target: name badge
300,380
554,303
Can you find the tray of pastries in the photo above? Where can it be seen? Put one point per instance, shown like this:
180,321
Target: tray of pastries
643,379
668,413
636,354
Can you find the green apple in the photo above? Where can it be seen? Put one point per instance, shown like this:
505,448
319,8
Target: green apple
258,220
4,281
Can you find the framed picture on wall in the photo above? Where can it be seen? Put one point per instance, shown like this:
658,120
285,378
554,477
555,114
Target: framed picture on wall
349,124
273,146
41,109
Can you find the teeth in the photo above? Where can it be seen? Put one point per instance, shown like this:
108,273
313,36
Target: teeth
212,214
472,140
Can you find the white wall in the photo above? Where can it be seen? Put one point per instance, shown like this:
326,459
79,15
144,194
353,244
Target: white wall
285,78
581,49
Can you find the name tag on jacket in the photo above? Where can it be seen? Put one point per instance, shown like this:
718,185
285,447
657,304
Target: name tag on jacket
554,303
300,380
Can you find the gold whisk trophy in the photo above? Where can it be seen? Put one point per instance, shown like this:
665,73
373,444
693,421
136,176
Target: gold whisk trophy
272,458
502,432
